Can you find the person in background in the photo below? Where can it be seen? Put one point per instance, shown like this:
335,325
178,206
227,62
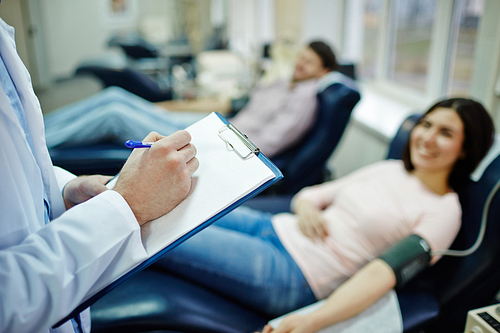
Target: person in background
276,116
61,235
330,247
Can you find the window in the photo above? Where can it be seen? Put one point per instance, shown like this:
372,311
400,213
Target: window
469,14
410,41
372,21
420,49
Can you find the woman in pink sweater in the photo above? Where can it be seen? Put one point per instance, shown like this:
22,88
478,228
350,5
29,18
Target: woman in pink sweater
330,246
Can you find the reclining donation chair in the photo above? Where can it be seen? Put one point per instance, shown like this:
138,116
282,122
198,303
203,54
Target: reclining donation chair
436,301
134,46
304,164
145,71
129,79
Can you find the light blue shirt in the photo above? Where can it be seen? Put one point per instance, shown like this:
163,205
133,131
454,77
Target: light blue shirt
15,101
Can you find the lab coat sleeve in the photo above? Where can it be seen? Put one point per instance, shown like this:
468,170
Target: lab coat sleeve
63,177
54,269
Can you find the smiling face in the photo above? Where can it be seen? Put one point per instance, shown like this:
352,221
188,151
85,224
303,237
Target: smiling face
309,66
436,142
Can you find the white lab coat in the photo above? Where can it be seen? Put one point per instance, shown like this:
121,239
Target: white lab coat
47,270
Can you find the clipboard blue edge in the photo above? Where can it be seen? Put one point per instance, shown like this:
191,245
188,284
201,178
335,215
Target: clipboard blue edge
180,240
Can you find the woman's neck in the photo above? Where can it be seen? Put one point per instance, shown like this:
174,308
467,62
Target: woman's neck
437,182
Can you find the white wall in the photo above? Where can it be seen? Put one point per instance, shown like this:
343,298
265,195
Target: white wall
246,28
253,22
75,31
359,146
11,13
324,20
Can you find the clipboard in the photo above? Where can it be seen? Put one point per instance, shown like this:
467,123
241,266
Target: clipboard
212,133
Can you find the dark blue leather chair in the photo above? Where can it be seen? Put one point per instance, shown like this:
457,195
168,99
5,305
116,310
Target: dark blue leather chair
438,300
129,79
435,301
102,158
134,46
305,163
146,72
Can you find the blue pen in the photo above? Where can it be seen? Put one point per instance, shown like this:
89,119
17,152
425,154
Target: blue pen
138,144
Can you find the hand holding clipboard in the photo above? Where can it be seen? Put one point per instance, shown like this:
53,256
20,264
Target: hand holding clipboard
232,170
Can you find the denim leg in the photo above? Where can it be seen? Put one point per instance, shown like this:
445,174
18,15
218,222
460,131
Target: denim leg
253,268
246,220
113,114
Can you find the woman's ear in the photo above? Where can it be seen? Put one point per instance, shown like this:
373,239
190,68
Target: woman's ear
462,155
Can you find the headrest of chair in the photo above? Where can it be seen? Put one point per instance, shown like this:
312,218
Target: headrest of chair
335,77
485,162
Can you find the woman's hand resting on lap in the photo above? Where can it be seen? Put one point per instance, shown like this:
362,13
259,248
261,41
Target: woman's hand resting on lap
311,221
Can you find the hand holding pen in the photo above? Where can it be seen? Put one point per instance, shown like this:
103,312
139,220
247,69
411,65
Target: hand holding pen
153,181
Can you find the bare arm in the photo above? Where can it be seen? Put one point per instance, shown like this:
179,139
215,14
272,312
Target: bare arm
353,297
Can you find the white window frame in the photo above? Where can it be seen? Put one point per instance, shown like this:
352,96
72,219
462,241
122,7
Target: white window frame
385,103
442,49
485,82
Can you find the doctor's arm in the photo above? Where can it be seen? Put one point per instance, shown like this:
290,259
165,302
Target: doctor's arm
143,177
54,269
354,296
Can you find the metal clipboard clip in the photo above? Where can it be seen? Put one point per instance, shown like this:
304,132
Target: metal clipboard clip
243,138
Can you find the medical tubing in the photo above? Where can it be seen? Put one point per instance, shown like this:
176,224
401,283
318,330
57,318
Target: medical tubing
482,230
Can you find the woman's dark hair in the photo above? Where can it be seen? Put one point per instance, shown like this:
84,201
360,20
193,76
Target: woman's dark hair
479,133
326,54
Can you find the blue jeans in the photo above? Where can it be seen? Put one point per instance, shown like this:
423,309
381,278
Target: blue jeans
241,257
113,114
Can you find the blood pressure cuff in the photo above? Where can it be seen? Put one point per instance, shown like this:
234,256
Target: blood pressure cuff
407,258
